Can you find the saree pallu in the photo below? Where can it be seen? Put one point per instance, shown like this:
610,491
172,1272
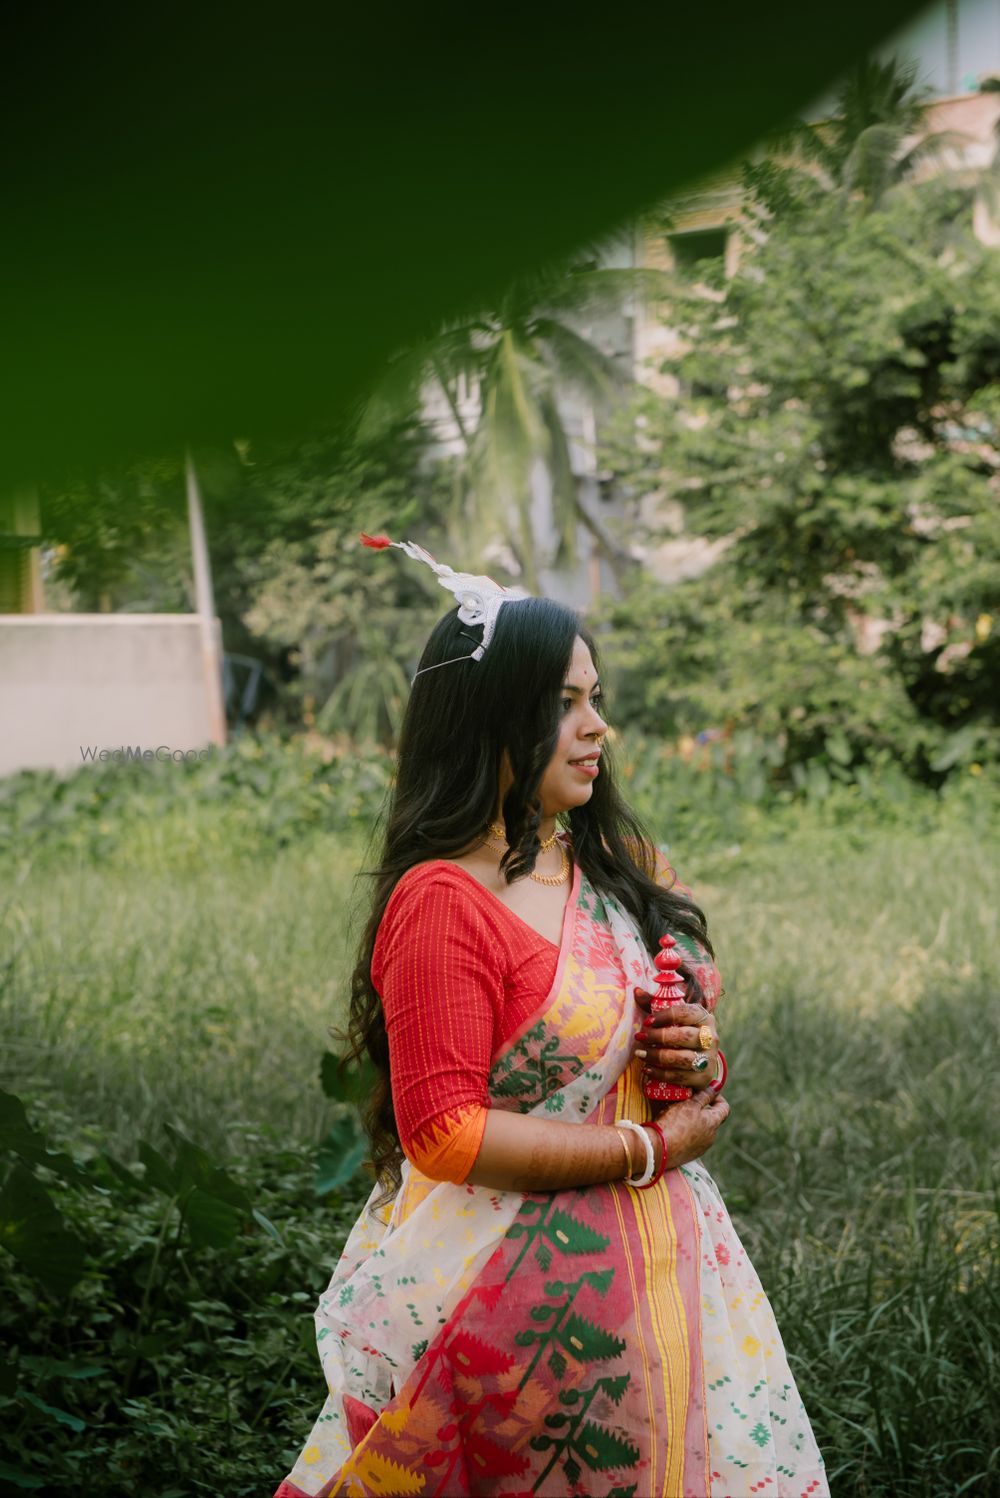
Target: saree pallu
591,1341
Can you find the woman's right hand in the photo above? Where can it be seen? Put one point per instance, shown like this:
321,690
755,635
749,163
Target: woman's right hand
690,1127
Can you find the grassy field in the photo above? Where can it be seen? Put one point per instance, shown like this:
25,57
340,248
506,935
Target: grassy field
175,982
201,993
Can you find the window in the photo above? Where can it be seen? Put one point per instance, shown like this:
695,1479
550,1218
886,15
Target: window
691,251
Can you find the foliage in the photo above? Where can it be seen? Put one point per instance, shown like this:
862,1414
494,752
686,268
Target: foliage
521,358
836,440
351,625
263,795
119,537
875,139
181,1358
259,793
338,627
818,701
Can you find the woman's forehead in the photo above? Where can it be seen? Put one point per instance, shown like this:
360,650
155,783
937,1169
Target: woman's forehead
581,666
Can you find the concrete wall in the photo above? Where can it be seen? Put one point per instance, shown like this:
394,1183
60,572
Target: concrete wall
72,685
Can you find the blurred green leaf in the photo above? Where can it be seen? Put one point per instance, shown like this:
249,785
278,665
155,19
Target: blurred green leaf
838,748
62,1417
20,1478
347,1084
195,1167
212,1222
268,1226
18,1136
340,1154
33,1231
959,747
158,1173
48,1367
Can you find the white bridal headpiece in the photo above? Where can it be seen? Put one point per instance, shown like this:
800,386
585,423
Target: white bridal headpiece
480,598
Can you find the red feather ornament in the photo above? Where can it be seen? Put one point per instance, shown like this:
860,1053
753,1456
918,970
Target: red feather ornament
378,542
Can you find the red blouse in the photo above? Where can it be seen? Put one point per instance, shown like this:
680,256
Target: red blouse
458,974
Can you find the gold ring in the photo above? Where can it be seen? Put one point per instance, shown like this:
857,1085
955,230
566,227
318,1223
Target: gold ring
706,1038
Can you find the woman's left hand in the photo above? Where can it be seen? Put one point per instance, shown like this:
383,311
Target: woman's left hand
672,1044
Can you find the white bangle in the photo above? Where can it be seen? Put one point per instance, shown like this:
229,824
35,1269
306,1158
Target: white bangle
650,1171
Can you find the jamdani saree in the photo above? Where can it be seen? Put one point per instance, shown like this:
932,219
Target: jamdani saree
591,1341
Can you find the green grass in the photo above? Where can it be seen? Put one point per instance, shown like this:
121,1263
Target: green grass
861,1158
177,982
201,993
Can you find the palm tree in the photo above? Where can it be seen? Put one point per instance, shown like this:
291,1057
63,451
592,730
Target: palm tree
875,139
520,355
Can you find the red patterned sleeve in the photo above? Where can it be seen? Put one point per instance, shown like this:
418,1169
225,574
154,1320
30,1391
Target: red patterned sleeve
438,970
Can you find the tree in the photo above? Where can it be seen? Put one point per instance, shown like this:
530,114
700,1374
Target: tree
521,355
875,140
294,578
844,445
120,538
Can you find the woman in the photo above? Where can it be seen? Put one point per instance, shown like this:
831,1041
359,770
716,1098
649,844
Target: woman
510,1316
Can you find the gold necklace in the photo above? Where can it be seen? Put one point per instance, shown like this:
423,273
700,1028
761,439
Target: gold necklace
559,878
499,831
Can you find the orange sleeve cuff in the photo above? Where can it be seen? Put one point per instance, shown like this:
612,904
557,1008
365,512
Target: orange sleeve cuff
446,1147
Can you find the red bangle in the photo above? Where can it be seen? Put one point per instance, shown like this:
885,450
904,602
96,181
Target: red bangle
648,1123
720,1080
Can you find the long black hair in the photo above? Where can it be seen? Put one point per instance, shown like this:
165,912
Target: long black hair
459,720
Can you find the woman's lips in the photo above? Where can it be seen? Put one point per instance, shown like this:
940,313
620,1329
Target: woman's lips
586,767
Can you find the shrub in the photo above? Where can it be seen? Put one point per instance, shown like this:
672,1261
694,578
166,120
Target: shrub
158,1317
